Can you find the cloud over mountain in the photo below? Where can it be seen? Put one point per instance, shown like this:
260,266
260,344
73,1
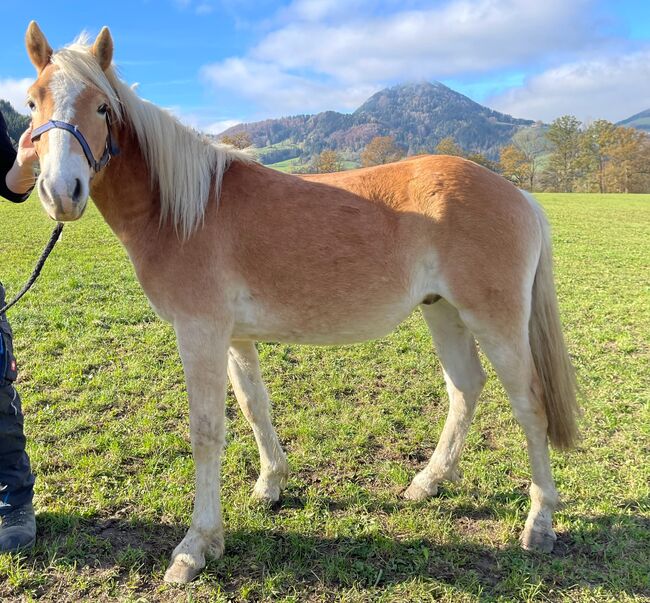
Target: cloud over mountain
321,54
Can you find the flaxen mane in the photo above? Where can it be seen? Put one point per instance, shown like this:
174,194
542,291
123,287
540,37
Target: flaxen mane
183,164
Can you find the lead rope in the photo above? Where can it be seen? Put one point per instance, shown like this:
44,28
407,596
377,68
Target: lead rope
56,233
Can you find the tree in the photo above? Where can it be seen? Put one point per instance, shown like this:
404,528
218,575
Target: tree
380,150
239,140
448,146
515,166
16,123
630,161
484,161
641,181
532,142
598,141
564,166
328,161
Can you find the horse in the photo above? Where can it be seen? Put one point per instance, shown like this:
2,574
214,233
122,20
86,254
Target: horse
231,252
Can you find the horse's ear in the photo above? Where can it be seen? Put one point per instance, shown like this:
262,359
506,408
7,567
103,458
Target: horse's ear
103,48
38,49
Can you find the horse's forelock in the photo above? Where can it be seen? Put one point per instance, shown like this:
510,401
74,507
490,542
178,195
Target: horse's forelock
77,61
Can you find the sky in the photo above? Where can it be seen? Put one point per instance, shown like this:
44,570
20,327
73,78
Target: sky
215,63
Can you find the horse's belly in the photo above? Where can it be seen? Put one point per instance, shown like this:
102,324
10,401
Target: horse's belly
325,325
336,310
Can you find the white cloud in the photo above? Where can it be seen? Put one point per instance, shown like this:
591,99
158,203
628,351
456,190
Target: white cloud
199,119
608,87
459,37
281,92
317,10
15,91
331,54
221,126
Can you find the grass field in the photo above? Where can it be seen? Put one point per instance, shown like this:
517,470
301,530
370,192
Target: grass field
289,165
107,428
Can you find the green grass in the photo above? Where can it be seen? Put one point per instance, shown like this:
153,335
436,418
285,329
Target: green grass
288,165
107,428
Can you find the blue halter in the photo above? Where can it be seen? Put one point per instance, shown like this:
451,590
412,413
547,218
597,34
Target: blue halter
110,150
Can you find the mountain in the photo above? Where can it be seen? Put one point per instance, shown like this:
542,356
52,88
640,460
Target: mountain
418,116
640,121
16,123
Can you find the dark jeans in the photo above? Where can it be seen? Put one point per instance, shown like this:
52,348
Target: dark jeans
16,478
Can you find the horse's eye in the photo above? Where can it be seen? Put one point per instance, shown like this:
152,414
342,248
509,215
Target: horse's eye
31,105
102,110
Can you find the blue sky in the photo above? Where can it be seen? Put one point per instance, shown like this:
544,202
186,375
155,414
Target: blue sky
218,62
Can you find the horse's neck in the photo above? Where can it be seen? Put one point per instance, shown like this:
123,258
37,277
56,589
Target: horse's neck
124,195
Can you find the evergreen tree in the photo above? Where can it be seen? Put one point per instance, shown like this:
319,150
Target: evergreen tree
16,123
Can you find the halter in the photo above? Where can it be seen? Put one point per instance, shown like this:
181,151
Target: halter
110,149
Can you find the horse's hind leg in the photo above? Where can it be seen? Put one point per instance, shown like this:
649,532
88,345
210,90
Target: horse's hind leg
465,379
246,379
508,349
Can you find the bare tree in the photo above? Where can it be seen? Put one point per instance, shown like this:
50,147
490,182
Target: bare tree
532,142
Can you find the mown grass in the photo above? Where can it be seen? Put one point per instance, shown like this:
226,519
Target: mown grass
107,426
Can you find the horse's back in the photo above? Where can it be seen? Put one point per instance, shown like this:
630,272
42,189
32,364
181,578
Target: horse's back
430,184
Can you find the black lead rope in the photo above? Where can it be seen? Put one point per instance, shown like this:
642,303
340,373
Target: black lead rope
56,233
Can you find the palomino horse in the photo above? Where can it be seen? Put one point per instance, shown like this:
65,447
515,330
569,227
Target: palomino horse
231,252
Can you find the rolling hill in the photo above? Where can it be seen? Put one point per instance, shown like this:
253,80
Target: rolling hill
418,116
640,121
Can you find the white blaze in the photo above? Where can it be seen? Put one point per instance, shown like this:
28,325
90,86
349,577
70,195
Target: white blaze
63,165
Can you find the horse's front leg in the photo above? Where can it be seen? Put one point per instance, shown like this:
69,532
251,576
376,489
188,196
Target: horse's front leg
204,352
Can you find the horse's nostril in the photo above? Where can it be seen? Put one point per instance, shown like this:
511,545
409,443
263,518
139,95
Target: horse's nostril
76,194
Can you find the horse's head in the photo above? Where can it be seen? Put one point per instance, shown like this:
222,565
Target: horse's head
70,101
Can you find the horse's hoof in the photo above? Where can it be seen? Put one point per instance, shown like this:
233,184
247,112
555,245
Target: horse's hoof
268,488
266,494
180,572
535,540
416,492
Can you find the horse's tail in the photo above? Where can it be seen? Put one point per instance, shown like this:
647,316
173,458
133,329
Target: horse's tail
554,368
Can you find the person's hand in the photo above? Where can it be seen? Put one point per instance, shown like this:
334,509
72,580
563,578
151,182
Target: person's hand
20,178
26,152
